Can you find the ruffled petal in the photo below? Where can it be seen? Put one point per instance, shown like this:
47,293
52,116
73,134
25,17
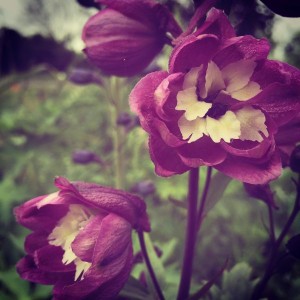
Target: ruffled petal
217,24
84,244
141,98
202,152
28,270
250,170
280,101
187,55
49,259
166,160
241,48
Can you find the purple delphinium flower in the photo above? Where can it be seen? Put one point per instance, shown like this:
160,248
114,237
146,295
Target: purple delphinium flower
123,38
81,239
221,104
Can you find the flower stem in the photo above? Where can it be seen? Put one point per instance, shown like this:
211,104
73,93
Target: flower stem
149,266
115,100
274,252
203,198
186,272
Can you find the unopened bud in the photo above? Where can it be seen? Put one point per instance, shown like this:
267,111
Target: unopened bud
144,188
83,157
124,119
83,76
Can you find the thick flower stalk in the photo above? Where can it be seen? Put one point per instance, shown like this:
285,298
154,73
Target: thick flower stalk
81,239
221,104
123,38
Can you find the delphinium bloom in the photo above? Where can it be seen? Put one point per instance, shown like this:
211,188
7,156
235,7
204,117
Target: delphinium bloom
123,38
81,239
221,104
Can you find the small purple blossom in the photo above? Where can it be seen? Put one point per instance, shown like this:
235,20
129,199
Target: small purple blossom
123,38
221,104
81,239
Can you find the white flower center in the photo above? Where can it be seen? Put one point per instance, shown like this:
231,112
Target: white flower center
204,117
66,231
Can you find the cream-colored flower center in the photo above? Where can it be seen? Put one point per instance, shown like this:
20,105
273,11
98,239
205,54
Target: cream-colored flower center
204,117
66,231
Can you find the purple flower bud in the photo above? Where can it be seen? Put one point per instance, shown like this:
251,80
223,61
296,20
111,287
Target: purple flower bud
124,119
144,188
295,160
262,192
81,239
84,76
83,157
125,37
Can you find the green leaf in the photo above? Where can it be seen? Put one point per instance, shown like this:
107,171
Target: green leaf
218,185
13,283
134,290
236,283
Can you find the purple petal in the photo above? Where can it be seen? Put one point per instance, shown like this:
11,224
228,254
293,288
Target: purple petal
84,243
281,102
49,259
36,240
141,98
262,192
193,52
28,270
250,171
217,24
30,216
202,152
108,200
241,48
248,148
148,12
166,160
271,71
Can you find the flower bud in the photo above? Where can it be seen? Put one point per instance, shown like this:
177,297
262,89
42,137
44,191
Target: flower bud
83,157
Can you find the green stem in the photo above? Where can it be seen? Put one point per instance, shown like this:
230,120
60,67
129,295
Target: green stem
115,101
149,266
186,272
203,198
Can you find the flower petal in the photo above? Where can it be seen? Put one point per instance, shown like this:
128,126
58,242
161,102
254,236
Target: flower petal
84,243
279,101
141,98
28,270
237,74
241,48
187,55
226,127
217,24
49,259
252,121
250,171
166,160
202,152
